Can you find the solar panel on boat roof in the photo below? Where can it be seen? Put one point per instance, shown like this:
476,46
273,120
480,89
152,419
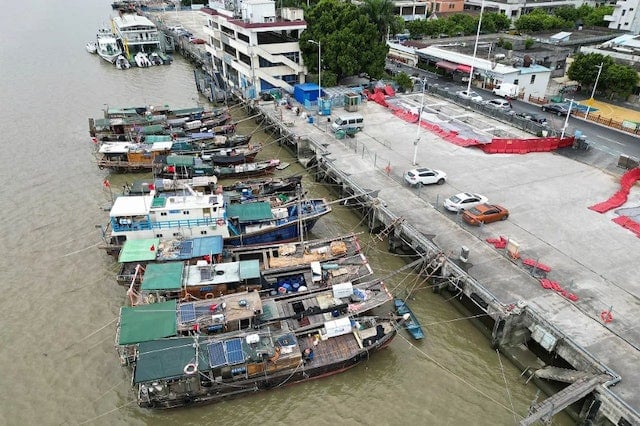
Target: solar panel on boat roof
187,312
233,348
216,354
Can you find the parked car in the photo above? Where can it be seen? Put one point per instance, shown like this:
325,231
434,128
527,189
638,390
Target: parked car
485,213
463,201
196,40
470,95
424,176
559,109
499,104
531,116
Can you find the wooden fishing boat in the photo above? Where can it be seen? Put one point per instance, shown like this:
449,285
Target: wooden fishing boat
188,371
197,214
412,324
136,254
256,339
261,223
246,170
267,186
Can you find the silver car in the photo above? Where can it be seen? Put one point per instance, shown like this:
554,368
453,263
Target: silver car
463,201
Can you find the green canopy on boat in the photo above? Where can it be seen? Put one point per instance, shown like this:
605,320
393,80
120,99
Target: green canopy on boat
187,111
250,212
167,358
180,160
139,250
249,269
147,322
157,138
153,129
162,277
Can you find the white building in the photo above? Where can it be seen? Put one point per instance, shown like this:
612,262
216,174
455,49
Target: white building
625,16
254,49
532,80
513,9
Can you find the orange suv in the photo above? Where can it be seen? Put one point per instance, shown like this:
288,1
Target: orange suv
485,213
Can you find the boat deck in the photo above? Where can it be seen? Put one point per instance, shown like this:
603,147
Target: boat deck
332,350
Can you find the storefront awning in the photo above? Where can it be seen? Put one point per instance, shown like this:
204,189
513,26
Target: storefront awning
464,68
450,66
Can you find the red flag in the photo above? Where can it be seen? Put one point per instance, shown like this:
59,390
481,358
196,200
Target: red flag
151,187
94,140
106,183
171,169
152,248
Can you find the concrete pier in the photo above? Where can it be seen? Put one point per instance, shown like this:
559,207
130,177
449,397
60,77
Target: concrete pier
547,195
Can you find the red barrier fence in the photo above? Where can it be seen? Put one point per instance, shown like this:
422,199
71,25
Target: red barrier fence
524,146
619,198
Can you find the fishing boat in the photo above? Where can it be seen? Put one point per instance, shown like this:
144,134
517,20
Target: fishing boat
246,170
107,45
187,371
261,223
197,214
91,47
412,324
131,157
136,254
150,216
267,186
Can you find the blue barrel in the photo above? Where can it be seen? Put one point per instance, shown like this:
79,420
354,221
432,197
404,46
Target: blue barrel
310,120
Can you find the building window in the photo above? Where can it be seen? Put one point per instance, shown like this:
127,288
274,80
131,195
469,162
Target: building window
515,81
452,5
533,78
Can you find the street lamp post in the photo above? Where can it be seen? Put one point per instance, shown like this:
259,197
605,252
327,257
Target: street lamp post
475,47
566,120
415,143
319,70
593,92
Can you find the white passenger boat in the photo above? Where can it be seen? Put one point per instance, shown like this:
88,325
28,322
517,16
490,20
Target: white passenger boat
107,45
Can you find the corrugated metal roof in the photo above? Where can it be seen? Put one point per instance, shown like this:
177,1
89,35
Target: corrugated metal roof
250,212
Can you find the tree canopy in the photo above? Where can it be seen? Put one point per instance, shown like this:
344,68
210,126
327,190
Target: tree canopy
563,18
615,80
351,42
459,24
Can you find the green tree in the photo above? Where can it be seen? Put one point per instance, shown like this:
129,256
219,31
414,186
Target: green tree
380,12
498,21
618,80
596,17
539,20
528,43
568,13
404,81
351,42
584,68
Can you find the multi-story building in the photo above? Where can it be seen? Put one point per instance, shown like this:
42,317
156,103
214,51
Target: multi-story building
411,10
255,49
625,16
513,9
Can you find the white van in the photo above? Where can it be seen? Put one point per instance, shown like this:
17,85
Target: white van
348,122
506,89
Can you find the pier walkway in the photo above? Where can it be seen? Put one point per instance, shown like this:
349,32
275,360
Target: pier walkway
547,195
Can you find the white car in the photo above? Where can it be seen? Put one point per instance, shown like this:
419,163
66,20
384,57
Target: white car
470,94
502,104
463,201
424,176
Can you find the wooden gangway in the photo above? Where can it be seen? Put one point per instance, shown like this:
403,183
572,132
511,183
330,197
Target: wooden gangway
546,409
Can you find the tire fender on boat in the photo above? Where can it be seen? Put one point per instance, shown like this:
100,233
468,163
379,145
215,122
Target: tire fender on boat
220,222
190,369
208,296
